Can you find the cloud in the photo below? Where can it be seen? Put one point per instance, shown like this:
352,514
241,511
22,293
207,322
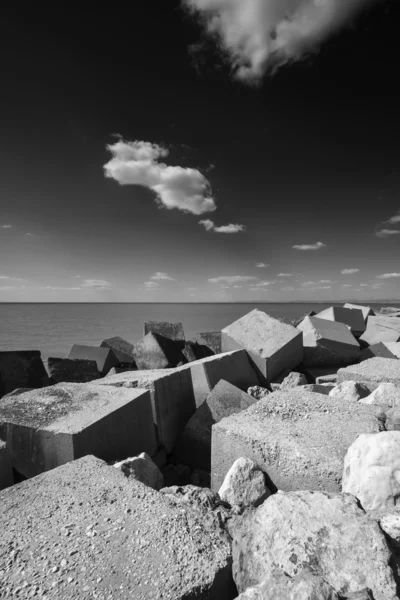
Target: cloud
231,228
316,246
349,271
161,277
152,285
56,287
322,287
395,219
232,279
325,281
260,35
137,163
388,276
387,232
346,285
288,288
285,275
265,283
317,282
261,265
5,226
4,277
96,283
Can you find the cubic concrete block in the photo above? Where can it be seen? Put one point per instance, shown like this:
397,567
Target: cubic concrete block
48,427
211,340
189,352
72,370
328,343
172,331
372,372
366,310
155,351
104,357
271,344
376,350
376,333
6,473
321,374
389,310
298,438
101,535
194,445
122,349
354,318
21,368
297,322
394,348
384,321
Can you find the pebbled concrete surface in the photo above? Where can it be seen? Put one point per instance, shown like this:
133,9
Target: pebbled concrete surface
372,372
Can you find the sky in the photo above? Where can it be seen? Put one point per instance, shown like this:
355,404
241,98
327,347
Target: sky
200,151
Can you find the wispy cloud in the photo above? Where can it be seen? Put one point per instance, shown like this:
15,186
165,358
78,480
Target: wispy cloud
4,277
285,275
265,283
395,219
288,288
231,228
96,284
137,163
262,265
349,271
316,246
232,279
5,226
152,285
387,232
161,277
388,276
322,287
59,287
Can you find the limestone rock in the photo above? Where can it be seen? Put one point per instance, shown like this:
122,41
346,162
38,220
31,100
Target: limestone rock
372,470
392,421
258,392
143,469
328,343
350,391
278,585
386,394
390,525
244,484
293,380
327,533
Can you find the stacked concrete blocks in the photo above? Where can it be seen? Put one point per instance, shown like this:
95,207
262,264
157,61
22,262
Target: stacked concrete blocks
374,350
71,370
172,331
366,310
104,357
354,318
21,369
155,351
372,372
122,349
328,343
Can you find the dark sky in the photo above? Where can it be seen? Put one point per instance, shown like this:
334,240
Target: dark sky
310,154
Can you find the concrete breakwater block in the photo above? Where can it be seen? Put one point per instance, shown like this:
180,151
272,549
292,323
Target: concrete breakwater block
376,350
48,427
271,344
384,321
194,445
72,370
21,369
172,331
328,343
298,438
376,333
211,340
352,317
394,348
99,534
122,349
104,357
372,372
366,310
6,474
155,351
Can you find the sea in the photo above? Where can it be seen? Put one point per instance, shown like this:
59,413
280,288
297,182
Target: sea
54,328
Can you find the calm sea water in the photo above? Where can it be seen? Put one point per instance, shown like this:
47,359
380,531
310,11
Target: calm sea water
54,328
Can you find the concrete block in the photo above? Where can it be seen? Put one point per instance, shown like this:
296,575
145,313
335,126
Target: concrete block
376,333
366,310
115,538
117,370
271,344
321,374
372,372
376,350
172,331
328,343
6,473
298,438
49,427
211,340
320,388
384,321
189,352
389,310
21,368
104,357
155,351
72,370
394,348
354,318
122,349
194,445
297,322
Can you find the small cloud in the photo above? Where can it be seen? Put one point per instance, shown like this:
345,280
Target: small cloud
309,282
207,224
349,271
285,275
265,283
289,288
5,226
161,277
56,287
4,277
395,219
237,287
322,287
364,285
346,285
387,232
152,285
375,286
232,279
325,281
96,283
31,235
316,246
388,276
262,265
231,228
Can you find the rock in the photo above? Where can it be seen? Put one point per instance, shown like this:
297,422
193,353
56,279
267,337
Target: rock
244,485
176,475
394,348
143,469
386,394
327,343
388,310
353,318
172,331
371,468
390,525
21,369
155,351
366,310
379,349
48,427
189,352
278,585
160,458
271,344
392,420
374,334
385,322
6,474
104,357
118,370
210,340
194,446
200,478
275,387
327,533
299,439
122,349
372,372
67,370
293,380
257,392
319,388
350,391
297,322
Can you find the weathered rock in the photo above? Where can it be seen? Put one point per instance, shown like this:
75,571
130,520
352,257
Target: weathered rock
374,350
189,352
275,387
258,392
118,370
371,470
104,357
6,474
374,334
67,370
328,343
326,379
155,351
96,533
327,533
293,380
366,310
244,485
321,374
386,394
48,427
390,525
210,340
271,344
372,372
143,469
21,369
122,349
319,388
353,318
392,418
388,310
299,439
394,348
350,391
172,331
194,446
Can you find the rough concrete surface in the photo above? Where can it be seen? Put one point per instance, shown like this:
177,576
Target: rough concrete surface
6,474
19,369
352,317
327,343
86,531
375,334
298,438
372,372
366,310
72,370
48,427
172,331
155,351
394,348
122,349
211,340
104,357
378,349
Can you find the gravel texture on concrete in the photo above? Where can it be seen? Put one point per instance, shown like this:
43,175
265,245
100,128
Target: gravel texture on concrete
86,531
372,372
